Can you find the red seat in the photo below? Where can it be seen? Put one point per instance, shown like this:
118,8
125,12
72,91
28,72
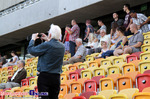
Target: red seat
88,94
10,68
147,72
25,82
79,71
97,78
90,85
79,97
6,89
74,75
142,81
137,54
130,58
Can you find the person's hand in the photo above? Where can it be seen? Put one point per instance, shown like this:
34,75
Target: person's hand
127,29
44,37
35,36
125,47
84,38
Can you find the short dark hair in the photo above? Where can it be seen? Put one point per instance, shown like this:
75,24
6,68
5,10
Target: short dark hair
127,5
132,11
68,25
14,52
121,29
100,20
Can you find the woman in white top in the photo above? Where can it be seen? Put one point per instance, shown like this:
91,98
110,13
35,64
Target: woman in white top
14,61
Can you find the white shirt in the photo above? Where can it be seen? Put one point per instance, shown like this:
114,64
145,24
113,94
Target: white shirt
16,59
107,39
94,44
15,74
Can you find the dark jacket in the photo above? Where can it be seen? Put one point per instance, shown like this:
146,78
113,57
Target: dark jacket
21,75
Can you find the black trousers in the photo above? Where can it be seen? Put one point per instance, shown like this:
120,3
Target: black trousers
49,83
72,46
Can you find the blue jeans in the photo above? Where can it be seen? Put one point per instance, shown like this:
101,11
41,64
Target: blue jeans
107,53
72,48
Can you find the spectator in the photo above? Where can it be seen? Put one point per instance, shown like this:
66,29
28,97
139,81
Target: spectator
2,61
92,44
5,56
89,29
102,26
80,53
122,40
135,42
97,35
15,81
74,34
66,39
14,61
50,61
127,21
140,20
116,36
116,20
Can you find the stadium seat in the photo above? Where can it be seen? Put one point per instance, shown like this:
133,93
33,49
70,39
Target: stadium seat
137,54
64,68
86,73
70,95
98,72
114,77
79,71
106,62
97,78
124,56
79,97
10,68
146,48
75,87
118,60
88,94
68,82
63,77
147,72
136,63
98,61
95,54
82,65
147,89
146,35
15,68
145,56
118,96
129,92
132,75
10,73
107,93
63,89
97,97
93,64
146,41
130,58
106,84
4,74
124,82
29,71
34,69
90,85
113,70
111,58
143,66
72,67
89,58
32,81
4,69
25,82
82,80
141,95
4,79
8,96
76,64
129,67
142,81
74,75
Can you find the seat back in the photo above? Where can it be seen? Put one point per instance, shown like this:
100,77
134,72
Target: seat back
118,60
98,72
145,48
97,78
93,64
90,85
141,95
75,87
146,41
145,56
129,67
89,58
86,74
114,77
72,67
63,77
106,62
143,66
132,75
130,58
63,89
32,81
107,93
74,75
113,70
29,71
82,65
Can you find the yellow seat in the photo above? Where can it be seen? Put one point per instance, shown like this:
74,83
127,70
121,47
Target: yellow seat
72,67
95,54
63,77
107,93
129,92
89,58
82,65
118,96
15,68
65,58
76,87
27,89
4,69
86,74
105,67
14,88
146,35
145,56
143,66
129,67
146,41
4,79
4,74
113,70
106,84
124,56
93,64
118,60
63,89
111,58
97,97
8,96
29,71
146,48
34,69
106,62
141,95
32,81
64,68
98,72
